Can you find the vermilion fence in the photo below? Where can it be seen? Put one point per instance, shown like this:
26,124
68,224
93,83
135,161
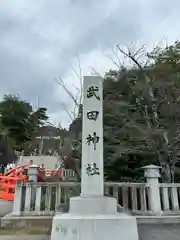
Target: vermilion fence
7,186
8,180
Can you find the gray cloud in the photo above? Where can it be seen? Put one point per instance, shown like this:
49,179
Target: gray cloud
39,38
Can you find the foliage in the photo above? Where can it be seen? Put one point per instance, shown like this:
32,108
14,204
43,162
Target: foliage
19,121
142,114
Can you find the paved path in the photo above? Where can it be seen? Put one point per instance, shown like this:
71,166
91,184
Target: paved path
24,237
159,232
151,232
5,207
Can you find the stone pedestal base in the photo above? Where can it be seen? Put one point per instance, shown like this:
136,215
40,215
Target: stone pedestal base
94,218
94,227
93,205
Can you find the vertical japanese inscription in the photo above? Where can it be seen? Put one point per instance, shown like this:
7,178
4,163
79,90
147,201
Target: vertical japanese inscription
92,139
92,169
92,115
92,92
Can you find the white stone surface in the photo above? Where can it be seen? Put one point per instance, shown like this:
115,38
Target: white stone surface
17,197
93,205
92,185
152,177
33,172
94,227
92,216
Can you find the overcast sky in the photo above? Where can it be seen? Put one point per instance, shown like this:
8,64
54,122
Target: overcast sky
40,38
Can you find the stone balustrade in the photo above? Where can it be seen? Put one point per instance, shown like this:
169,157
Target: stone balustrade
45,198
149,198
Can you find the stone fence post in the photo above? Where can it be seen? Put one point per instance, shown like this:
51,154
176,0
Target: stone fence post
151,173
33,172
17,197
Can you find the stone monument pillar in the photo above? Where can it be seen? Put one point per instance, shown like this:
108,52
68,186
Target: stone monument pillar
92,216
92,181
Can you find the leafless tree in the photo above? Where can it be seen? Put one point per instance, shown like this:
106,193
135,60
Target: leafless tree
69,148
140,59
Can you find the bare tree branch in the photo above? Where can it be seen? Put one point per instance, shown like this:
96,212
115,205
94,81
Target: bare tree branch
81,81
63,105
114,62
77,100
134,56
62,84
80,77
95,72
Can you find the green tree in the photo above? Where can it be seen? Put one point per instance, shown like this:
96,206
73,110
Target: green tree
19,121
142,113
128,141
